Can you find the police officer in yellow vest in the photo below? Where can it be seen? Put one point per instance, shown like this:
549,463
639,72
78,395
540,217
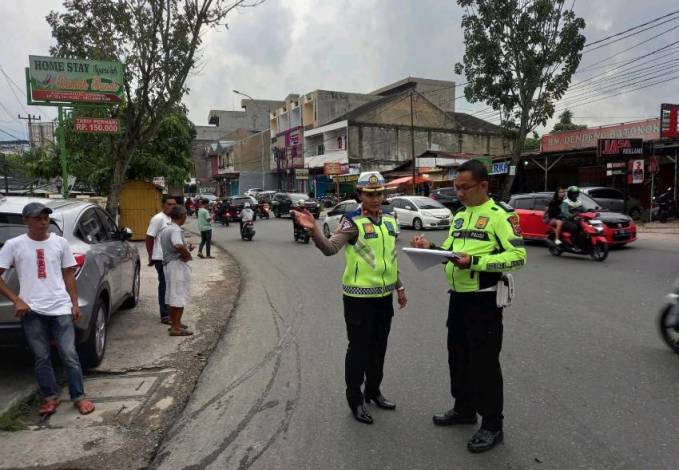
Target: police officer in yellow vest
368,236
487,237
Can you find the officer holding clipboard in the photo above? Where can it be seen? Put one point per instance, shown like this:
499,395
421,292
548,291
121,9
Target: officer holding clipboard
485,238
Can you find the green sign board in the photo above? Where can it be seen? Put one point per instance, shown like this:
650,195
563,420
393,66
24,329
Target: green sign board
75,80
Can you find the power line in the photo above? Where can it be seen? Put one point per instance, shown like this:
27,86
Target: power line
592,66
11,135
631,29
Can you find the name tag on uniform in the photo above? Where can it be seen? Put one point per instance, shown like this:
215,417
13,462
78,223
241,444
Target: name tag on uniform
369,230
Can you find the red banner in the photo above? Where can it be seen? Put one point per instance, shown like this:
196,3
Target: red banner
588,138
94,125
78,96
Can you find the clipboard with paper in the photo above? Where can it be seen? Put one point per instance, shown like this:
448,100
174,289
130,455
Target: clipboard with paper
424,259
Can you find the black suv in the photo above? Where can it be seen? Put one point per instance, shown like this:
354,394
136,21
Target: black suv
235,204
447,197
281,203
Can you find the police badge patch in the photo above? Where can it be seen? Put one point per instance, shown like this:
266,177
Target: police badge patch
516,227
458,223
390,228
346,225
369,230
481,222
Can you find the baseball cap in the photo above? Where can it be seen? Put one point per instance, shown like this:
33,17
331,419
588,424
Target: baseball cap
35,209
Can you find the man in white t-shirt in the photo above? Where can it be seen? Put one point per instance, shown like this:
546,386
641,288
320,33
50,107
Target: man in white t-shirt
47,303
155,251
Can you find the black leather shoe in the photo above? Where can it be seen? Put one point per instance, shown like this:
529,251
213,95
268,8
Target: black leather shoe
381,402
452,417
484,440
361,414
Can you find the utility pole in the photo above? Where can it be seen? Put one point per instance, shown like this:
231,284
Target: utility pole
30,119
412,139
4,164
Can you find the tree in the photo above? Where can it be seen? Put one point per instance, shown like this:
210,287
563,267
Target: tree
532,143
157,41
566,123
520,56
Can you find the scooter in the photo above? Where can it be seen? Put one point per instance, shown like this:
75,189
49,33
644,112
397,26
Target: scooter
264,210
592,239
666,206
668,320
300,234
247,231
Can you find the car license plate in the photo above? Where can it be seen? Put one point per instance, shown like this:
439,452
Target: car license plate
623,232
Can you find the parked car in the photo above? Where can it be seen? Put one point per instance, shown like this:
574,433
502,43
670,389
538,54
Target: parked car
447,197
283,202
619,229
421,212
253,191
334,215
235,204
267,196
614,200
107,274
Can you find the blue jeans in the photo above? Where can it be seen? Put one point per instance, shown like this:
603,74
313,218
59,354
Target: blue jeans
38,329
161,289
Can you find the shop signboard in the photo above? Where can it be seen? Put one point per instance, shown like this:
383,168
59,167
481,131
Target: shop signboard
620,147
351,178
669,121
588,138
332,168
97,125
616,168
301,173
75,80
499,168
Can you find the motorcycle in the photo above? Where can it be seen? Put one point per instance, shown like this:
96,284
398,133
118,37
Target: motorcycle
666,207
668,320
247,231
264,209
300,234
592,239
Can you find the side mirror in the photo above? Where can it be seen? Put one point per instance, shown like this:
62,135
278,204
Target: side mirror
125,233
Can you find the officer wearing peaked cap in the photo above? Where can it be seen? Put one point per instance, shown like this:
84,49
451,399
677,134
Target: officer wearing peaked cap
368,236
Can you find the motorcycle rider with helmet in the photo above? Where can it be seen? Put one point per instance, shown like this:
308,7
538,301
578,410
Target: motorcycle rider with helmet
570,208
246,215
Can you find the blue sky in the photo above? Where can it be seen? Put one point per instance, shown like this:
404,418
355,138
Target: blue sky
296,46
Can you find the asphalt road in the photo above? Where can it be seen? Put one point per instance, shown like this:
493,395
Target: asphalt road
588,383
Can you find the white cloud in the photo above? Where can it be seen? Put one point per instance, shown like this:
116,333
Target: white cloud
296,46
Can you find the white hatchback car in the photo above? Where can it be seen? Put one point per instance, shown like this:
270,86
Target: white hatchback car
334,215
421,212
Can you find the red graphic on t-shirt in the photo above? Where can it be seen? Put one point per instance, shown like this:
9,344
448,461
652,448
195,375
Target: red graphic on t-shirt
42,267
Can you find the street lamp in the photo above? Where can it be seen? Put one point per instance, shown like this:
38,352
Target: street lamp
254,125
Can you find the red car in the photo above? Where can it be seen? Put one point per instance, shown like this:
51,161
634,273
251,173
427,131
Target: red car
619,229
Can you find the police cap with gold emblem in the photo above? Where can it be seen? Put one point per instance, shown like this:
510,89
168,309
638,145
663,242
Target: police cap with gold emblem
370,181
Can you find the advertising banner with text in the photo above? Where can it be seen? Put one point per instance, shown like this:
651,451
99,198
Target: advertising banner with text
588,138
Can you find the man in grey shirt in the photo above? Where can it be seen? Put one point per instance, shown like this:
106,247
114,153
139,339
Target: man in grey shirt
176,255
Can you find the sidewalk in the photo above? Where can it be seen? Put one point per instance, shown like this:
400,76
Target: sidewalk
659,231
143,383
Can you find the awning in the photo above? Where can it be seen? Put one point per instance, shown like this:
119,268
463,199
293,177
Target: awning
407,180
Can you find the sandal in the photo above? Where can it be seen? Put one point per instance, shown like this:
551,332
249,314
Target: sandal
200,255
181,333
85,407
49,407
183,327
210,257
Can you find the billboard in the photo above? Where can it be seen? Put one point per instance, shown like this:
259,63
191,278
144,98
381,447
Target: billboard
75,80
669,124
620,147
588,138
332,168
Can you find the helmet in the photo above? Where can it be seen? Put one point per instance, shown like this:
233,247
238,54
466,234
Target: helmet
573,192
246,205
370,181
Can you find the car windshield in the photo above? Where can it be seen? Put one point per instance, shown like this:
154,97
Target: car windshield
428,203
588,203
295,197
12,225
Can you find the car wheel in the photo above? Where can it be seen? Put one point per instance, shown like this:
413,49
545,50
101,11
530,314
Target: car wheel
635,213
326,231
555,250
669,326
417,224
92,351
132,301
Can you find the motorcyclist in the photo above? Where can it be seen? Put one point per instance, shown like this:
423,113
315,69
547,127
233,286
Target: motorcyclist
246,215
296,227
570,208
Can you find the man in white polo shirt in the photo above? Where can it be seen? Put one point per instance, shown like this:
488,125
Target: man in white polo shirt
155,251
47,303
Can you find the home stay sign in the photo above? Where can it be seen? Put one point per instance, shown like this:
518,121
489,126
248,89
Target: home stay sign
75,80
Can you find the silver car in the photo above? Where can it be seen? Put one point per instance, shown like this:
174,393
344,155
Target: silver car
107,274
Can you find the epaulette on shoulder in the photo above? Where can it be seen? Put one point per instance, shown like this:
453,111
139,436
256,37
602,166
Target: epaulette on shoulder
354,213
505,206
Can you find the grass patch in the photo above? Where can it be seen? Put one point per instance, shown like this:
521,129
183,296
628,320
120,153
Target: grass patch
15,418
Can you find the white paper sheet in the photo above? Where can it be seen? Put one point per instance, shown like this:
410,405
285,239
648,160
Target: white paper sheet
425,259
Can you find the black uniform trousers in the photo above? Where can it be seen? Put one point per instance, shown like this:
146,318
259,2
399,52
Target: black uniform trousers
368,323
474,344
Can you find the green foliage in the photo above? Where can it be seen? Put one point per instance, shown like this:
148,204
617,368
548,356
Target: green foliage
532,143
158,42
520,56
566,123
40,163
